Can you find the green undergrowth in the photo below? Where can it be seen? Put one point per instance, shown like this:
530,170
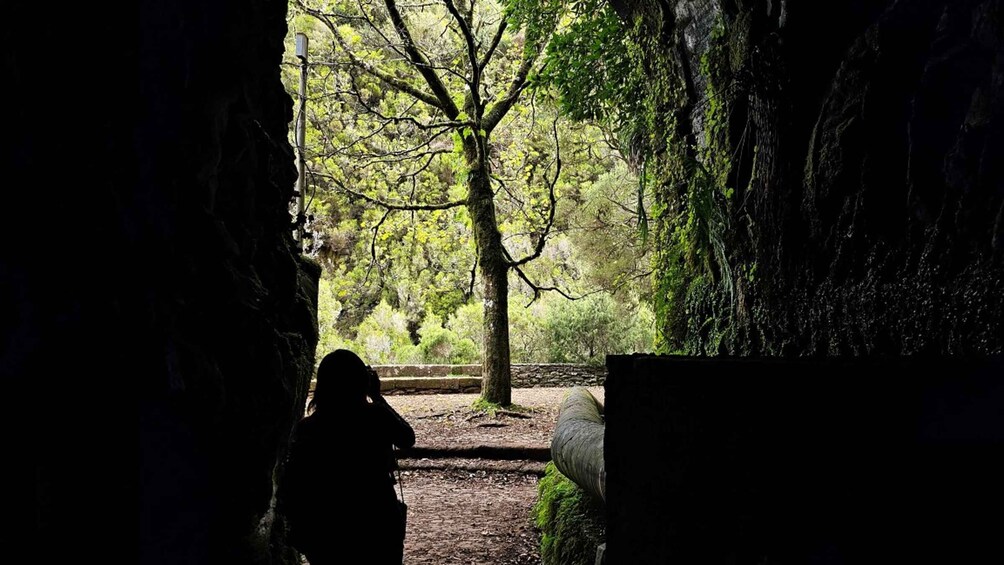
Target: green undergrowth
570,520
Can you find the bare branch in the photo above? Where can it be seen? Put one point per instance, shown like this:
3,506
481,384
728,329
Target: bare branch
516,87
361,139
376,28
550,217
517,265
414,174
373,155
504,186
437,129
472,53
494,44
421,63
399,159
387,78
629,210
391,206
451,124
376,232
537,289
343,16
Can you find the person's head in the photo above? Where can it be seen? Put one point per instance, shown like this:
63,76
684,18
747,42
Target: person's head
342,379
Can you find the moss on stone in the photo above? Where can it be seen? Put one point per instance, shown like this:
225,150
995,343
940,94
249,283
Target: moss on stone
491,408
770,160
693,177
570,520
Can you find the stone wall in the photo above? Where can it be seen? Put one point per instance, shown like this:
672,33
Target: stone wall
524,375
556,375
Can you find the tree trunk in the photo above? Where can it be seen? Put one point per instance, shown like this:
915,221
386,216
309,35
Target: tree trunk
495,370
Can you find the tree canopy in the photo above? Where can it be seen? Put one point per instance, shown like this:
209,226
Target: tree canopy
431,127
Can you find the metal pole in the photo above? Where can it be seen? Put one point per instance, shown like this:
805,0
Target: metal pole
301,134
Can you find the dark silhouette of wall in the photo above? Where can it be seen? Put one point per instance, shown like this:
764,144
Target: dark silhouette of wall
783,461
860,141
158,324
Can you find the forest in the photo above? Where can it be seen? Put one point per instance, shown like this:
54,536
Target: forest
412,110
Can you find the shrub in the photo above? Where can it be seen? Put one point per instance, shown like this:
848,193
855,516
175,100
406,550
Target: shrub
383,335
584,331
437,343
468,323
527,332
465,352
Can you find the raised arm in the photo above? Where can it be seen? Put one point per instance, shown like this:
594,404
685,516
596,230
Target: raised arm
397,428
400,431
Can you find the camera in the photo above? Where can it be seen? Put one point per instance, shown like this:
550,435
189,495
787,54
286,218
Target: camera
374,381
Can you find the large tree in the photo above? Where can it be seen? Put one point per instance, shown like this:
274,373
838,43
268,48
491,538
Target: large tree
424,73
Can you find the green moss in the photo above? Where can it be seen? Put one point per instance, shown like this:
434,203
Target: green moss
695,290
571,522
491,408
655,138
703,283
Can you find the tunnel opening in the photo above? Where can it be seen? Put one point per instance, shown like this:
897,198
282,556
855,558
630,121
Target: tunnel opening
160,322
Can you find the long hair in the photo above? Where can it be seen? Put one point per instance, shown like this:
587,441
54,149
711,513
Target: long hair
344,370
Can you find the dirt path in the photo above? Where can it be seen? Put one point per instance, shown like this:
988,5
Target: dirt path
473,511
446,420
476,517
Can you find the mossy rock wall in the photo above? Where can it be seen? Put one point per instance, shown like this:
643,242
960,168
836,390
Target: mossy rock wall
571,521
827,176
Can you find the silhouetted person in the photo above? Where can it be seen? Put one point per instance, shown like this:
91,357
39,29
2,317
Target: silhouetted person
339,494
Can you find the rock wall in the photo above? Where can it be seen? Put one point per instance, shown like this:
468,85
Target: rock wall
827,174
163,321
